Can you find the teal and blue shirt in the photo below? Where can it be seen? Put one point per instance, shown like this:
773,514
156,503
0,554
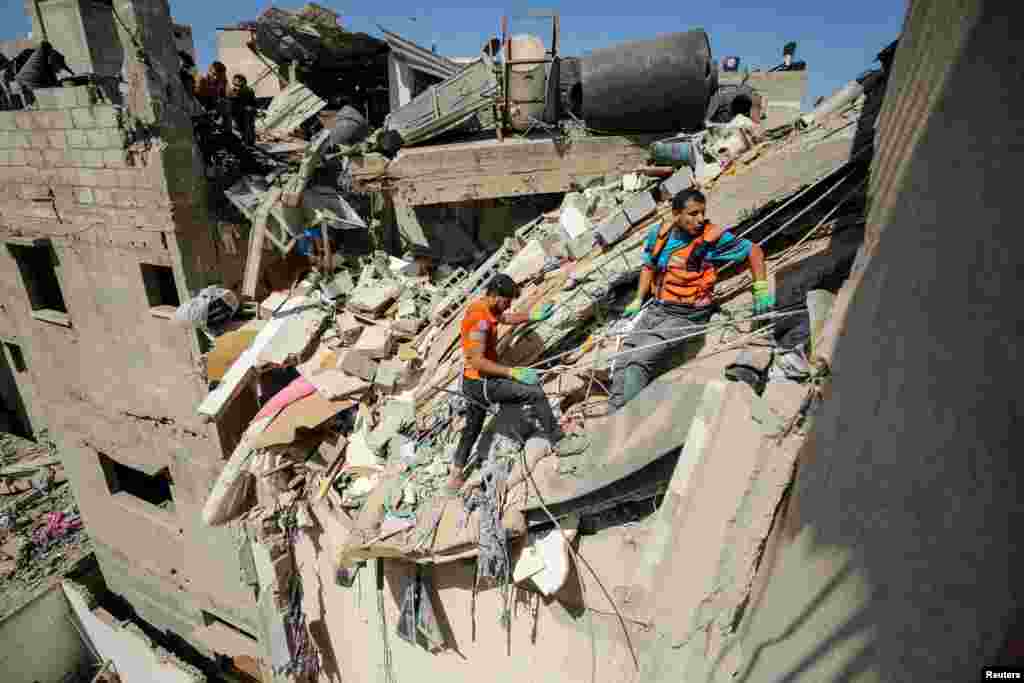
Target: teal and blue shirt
727,249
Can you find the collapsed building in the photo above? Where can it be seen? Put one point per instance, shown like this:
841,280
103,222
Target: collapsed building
263,478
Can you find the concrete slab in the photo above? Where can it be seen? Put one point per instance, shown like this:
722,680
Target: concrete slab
302,323
358,363
376,341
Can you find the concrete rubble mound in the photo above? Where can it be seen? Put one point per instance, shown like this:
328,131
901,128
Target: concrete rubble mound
370,202
358,362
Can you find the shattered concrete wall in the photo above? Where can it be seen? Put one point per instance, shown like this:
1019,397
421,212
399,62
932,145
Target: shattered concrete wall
899,556
111,193
21,657
678,578
784,91
135,657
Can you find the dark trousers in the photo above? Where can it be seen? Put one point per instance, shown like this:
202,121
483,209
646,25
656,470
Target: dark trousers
655,338
245,121
483,392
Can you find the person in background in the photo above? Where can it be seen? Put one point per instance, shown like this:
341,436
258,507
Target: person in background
212,89
485,381
243,108
681,262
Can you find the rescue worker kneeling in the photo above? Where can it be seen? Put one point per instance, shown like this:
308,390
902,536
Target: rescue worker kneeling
484,380
680,272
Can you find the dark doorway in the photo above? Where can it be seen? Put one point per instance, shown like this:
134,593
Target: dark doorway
14,417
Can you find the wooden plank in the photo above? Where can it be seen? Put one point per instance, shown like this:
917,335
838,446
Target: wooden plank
488,169
256,235
241,371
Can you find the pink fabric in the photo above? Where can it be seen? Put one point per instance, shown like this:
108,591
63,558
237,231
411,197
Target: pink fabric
299,388
57,526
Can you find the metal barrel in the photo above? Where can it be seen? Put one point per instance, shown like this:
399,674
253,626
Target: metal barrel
649,85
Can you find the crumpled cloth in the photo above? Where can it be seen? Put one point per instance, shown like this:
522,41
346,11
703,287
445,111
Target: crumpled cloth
299,388
57,526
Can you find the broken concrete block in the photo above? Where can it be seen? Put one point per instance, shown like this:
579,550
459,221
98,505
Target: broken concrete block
391,373
527,263
407,307
407,327
631,182
358,364
374,298
332,446
303,321
639,206
340,285
336,384
613,228
349,328
376,341
573,218
676,183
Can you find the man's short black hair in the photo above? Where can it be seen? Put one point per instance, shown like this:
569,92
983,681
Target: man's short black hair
679,201
502,285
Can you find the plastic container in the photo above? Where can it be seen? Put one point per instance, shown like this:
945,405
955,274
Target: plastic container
674,153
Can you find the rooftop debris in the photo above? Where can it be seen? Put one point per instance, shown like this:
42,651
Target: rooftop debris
360,444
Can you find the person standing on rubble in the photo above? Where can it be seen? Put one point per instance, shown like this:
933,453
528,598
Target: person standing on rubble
212,89
243,108
484,380
679,272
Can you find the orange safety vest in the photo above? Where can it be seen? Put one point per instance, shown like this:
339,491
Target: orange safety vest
683,282
480,321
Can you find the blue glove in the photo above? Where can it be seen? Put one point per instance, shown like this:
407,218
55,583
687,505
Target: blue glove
542,312
764,300
525,375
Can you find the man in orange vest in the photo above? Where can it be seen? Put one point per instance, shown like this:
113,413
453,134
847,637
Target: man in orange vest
485,380
679,273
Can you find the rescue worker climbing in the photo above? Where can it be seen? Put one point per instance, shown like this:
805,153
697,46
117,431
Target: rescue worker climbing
679,272
484,380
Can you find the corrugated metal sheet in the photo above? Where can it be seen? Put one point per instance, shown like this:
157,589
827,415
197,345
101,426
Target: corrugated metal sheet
288,110
933,35
464,101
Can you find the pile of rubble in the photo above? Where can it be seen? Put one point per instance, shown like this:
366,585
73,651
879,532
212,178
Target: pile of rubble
357,364
41,535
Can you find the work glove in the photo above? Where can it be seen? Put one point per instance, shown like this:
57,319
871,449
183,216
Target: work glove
542,312
525,375
764,300
633,308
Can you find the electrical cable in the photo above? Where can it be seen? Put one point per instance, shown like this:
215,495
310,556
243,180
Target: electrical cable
695,331
577,559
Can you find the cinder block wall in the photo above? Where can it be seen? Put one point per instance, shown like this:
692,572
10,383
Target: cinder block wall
113,376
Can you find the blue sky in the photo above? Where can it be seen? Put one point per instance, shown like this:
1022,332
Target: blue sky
838,40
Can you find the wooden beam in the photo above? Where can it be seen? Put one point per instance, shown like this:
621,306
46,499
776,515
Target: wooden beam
255,257
487,169
240,372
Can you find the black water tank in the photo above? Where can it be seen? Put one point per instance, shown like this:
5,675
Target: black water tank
649,85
